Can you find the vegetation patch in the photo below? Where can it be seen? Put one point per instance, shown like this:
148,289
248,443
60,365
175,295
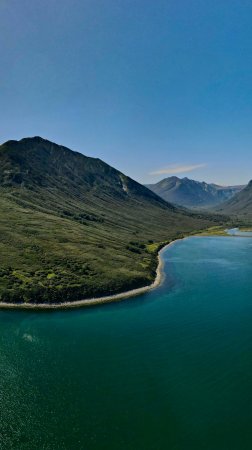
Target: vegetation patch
70,231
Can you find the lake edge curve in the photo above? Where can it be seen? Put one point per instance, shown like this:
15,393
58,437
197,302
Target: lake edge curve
100,300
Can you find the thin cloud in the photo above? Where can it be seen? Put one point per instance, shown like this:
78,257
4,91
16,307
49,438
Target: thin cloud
176,169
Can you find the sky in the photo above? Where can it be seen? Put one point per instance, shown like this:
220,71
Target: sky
154,88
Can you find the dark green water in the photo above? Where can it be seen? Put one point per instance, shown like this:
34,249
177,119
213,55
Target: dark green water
170,370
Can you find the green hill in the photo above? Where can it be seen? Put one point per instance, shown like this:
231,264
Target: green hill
191,193
72,227
240,204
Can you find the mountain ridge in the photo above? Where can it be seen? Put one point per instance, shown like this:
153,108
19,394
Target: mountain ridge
240,204
192,194
53,167
73,227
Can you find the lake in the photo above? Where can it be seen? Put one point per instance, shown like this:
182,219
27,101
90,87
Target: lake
168,370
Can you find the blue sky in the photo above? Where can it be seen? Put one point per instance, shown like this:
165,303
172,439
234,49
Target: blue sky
152,87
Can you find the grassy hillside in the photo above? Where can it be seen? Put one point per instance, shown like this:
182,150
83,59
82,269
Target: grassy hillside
240,205
191,193
72,227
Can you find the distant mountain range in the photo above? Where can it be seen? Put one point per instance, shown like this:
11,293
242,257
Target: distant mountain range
72,227
240,204
193,194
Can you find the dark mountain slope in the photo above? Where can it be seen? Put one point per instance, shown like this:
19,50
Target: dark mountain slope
192,194
73,227
35,163
240,204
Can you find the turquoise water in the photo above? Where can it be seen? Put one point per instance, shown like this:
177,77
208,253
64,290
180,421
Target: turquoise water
168,370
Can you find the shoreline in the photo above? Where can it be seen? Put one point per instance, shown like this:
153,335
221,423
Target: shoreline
159,278
99,300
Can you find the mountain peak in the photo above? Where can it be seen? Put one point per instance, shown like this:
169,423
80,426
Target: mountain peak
36,163
192,194
35,139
